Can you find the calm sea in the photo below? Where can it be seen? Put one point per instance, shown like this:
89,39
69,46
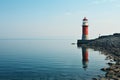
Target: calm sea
48,60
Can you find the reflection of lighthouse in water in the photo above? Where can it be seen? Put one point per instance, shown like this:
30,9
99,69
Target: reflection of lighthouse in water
85,57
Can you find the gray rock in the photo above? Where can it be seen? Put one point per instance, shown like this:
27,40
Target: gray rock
94,79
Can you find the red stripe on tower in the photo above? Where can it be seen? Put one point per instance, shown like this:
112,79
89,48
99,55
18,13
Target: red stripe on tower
85,29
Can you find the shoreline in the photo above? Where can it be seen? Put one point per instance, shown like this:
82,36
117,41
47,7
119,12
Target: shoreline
113,71
109,46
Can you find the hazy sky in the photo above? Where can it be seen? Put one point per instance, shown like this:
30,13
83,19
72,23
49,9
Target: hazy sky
57,18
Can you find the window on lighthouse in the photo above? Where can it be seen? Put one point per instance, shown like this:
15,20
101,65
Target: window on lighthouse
85,22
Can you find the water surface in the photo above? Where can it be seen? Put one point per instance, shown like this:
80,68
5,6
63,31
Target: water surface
48,60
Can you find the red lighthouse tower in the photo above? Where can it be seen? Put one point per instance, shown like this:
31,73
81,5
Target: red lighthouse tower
85,29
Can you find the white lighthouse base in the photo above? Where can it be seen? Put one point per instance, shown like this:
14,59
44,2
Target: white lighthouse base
84,37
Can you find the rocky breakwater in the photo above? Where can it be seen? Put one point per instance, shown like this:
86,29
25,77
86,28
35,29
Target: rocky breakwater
110,46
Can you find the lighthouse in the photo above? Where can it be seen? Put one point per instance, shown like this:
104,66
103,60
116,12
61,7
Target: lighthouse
84,39
85,29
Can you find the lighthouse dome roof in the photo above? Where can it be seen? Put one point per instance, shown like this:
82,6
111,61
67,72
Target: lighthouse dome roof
85,19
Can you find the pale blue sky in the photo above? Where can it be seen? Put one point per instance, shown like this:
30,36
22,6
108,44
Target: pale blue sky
57,18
